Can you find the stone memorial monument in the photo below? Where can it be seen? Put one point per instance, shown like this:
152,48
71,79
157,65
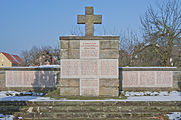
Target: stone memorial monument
89,64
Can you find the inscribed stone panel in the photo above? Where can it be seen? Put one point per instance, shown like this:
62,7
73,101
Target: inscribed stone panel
130,78
147,78
109,68
9,79
164,78
30,80
89,87
70,68
47,79
89,49
89,68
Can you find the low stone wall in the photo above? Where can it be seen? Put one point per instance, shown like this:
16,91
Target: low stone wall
130,79
150,78
26,78
89,110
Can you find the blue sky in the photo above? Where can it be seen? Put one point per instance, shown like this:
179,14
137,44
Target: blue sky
28,23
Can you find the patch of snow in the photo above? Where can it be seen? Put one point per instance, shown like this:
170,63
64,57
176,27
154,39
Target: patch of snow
131,96
15,93
174,116
148,93
6,117
147,67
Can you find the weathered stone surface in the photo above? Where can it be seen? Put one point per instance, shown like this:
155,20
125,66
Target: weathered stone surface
109,82
90,67
89,87
74,44
109,44
109,54
89,19
70,68
69,91
64,44
70,54
109,91
89,37
2,79
177,80
81,110
69,82
74,54
89,49
109,68
64,54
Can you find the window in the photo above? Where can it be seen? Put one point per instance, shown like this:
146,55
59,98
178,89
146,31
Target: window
2,64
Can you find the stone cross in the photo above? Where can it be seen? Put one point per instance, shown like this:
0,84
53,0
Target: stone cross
89,19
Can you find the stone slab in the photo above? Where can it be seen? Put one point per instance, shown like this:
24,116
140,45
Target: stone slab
107,82
89,68
147,78
89,87
109,54
31,79
70,68
89,49
89,37
64,44
164,78
69,91
153,79
70,82
74,44
109,91
109,68
109,44
129,78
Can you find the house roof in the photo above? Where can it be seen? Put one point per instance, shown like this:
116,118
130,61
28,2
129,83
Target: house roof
18,58
13,59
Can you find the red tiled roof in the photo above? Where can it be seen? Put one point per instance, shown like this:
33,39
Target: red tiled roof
18,58
10,58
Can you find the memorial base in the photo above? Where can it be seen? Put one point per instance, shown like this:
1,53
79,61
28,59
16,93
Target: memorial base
89,66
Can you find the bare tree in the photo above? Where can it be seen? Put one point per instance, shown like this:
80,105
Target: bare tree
163,28
40,55
76,30
127,43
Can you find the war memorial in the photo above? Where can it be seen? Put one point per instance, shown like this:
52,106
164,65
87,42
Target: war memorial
90,68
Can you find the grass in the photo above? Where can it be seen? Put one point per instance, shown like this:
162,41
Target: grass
56,94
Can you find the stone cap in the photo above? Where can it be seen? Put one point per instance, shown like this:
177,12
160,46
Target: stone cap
89,37
28,69
149,69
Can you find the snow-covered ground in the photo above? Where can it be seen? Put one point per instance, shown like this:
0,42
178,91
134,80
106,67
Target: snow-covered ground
131,96
6,117
147,67
174,116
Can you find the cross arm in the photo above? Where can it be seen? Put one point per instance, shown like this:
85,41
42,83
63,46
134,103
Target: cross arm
97,19
80,19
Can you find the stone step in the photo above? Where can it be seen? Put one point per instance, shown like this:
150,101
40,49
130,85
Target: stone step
85,115
88,110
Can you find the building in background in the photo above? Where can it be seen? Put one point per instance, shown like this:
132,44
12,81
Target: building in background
8,60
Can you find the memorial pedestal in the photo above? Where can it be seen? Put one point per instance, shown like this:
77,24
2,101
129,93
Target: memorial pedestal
94,70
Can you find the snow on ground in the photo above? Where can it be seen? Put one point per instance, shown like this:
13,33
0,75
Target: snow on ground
15,93
148,93
174,116
6,117
147,67
131,96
